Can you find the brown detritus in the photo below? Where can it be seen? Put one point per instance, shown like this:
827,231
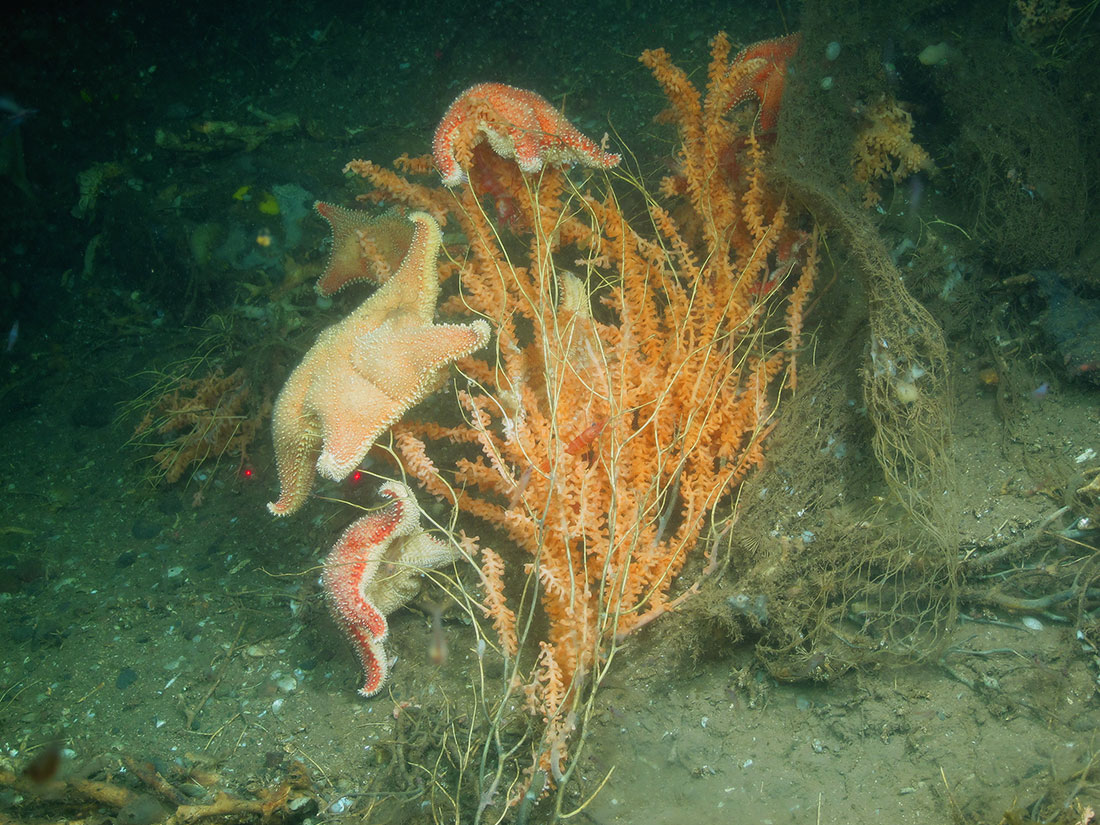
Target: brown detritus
1013,548
147,773
71,793
286,801
223,805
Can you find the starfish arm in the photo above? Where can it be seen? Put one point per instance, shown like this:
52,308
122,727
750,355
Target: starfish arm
395,591
771,97
527,135
352,421
405,362
414,288
416,554
443,144
372,656
352,565
425,552
347,602
297,444
443,153
403,505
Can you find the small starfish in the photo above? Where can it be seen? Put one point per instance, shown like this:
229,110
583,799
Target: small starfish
374,569
517,123
388,235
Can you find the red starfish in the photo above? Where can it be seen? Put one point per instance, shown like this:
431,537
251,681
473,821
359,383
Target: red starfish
767,82
374,569
517,123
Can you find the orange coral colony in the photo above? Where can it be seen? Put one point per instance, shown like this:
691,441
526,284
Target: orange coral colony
637,365
884,149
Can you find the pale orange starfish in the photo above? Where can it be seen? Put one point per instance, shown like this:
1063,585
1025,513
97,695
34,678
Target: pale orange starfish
387,234
365,372
374,569
517,123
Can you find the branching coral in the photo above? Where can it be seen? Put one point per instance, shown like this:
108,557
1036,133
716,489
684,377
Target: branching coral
188,421
639,359
884,149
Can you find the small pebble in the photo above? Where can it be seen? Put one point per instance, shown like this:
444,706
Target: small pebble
340,805
126,677
1031,623
287,684
145,529
141,810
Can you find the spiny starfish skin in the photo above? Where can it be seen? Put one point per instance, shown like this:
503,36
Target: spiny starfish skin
365,372
517,123
389,234
375,568
766,83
